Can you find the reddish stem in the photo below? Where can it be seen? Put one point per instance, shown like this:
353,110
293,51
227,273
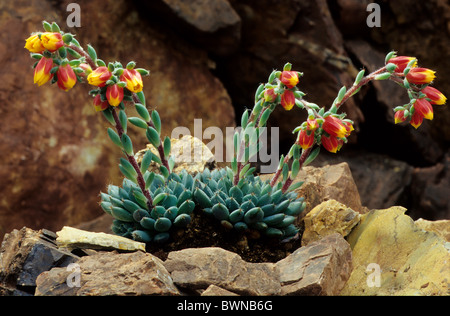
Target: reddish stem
132,160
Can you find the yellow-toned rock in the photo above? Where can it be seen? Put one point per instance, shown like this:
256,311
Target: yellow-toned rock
440,227
73,238
328,218
188,152
392,256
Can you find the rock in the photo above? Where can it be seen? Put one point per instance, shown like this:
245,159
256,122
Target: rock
189,153
73,238
24,254
392,256
440,227
214,290
320,268
327,218
381,180
213,25
430,191
198,268
107,274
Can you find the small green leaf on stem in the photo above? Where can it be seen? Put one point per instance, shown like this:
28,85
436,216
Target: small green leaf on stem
313,155
142,111
91,52
136,121
127,144
153,137
146,160
141,97
47,26
123,120
167,146
114,137
156,121
359,77
55,28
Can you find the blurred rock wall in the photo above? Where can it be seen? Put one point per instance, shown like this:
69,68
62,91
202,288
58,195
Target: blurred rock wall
206,60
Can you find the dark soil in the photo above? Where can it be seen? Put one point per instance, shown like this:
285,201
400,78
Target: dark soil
206,232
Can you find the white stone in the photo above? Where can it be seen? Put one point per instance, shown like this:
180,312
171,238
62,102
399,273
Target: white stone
73,238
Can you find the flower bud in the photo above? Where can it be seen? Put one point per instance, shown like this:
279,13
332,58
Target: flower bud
33,44
66,77
331,143
270,95
399,116
52,41
434,95
401,62
42,72
420,76
416,119
289,78
287,100
424,108
99,76
133,80
100,105
305,139
335,127
114,94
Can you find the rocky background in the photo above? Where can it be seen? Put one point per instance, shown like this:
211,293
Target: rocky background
206,60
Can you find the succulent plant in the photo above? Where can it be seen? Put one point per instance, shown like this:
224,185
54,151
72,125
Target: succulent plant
172,207
252,204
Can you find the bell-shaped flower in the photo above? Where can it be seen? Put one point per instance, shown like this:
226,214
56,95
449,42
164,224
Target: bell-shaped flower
133,80
435,96
33,44
66,77
287,100
305,138
100,105
42,71
401,62
99,76
331,143
114,94
289,78
52,41
335,127
420,76
424,108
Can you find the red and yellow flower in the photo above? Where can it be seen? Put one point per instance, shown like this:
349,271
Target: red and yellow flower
420,76
416,120
52,41
436,96
311,124
399,116
42,71
402,62
66,77
133,80
33,44
424,108
305,138
270,95
335,127
100,105
287,100
114,94
289,78
331,143
99,76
